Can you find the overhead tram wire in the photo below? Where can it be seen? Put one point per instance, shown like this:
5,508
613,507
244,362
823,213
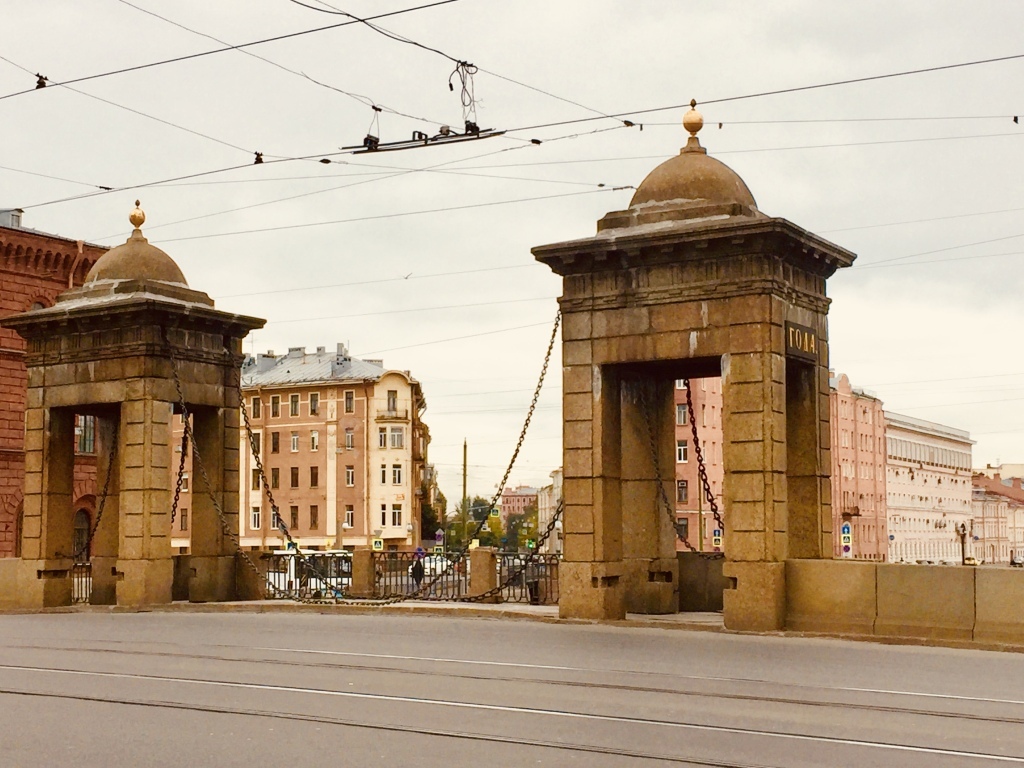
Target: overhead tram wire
276,38
414,309
366,101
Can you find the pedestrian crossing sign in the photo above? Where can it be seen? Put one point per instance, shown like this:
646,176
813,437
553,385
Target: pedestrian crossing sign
378,545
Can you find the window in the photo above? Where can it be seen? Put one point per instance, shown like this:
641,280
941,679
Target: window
257,408
295,477
397,437
382,437
275,406
392,399
85,430
275,478
383,474
396,514
350,439
184,482
350,516
684,527
396,474
256,443
314,440
295,442
681,417
314,517
255,479
680,383
350,475
681,452
295,517
682,491
703,414
314,477
275,442
350,401
277,521
383,515
314,404
183,519
255,519
293,405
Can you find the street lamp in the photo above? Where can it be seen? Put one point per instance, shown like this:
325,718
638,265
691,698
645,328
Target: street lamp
961,531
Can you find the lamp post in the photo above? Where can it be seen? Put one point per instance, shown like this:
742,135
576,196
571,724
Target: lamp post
961,531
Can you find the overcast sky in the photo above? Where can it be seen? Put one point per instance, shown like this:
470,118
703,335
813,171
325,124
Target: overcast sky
928,164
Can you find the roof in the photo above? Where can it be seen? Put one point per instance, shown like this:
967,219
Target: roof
927,427
298,367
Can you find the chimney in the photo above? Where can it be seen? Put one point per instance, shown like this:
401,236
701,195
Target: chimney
321,350
296,351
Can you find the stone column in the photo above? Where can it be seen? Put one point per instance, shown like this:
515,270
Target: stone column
483,572
591,584
105,541
648,541
212,563
144,570
754,486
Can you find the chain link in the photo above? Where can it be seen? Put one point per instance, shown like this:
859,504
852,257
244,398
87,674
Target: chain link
181,477
702,471
103,499
662,494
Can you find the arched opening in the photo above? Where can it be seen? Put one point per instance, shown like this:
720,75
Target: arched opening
81,536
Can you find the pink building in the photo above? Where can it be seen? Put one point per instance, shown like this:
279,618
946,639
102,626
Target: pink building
692,507
515,501
857,424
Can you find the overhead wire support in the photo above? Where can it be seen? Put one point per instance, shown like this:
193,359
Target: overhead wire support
419,139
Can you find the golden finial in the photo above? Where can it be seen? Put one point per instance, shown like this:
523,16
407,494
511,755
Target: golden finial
137,217
693,120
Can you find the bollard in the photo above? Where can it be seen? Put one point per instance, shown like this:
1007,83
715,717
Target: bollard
483,573
362,573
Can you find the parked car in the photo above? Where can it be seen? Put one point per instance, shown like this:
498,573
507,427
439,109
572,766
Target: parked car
1016,563
970,561
433,565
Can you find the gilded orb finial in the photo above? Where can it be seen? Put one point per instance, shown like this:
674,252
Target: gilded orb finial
693,120
137,217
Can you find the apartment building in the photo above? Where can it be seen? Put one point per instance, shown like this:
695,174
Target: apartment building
857,424
997,525
693,509
344,449
36,267
514,501
547,502
928,488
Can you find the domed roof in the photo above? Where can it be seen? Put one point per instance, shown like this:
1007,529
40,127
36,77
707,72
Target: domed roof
136,259
692,176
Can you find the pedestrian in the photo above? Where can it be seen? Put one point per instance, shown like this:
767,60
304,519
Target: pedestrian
417,572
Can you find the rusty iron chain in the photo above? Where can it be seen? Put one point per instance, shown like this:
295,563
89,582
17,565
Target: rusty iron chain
181,477
662,494
103,499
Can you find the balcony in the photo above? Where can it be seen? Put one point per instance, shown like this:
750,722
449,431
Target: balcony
850,512
398,414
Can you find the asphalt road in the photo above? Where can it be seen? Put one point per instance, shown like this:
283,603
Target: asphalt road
195,689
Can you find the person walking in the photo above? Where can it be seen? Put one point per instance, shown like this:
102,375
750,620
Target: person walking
417,572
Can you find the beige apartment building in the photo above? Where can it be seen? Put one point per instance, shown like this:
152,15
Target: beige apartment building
343,447
928,488
997,527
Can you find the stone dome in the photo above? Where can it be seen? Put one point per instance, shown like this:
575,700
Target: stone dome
693,177
136,259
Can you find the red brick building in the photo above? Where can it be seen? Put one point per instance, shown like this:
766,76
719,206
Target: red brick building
34,268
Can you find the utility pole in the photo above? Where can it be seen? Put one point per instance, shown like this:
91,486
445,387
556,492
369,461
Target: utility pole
465,498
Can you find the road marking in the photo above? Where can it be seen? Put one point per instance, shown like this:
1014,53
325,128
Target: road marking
526,711
420,658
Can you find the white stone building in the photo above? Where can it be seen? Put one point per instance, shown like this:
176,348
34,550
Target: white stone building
547,501
928,488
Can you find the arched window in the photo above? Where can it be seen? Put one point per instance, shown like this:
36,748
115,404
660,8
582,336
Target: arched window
81,536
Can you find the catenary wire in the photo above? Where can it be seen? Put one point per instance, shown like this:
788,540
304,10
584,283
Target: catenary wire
415,309
452,338
201,54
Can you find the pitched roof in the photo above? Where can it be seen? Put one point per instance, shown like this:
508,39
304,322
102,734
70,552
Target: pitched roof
298,367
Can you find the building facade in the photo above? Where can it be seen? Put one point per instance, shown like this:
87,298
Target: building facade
857,424
548,499
997,527
693,509
35,268
514,501
928,486
344,450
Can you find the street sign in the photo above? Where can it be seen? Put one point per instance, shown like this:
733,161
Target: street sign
439,535
846,530
716,532
495,513
438,550
378,545
716,541
847,539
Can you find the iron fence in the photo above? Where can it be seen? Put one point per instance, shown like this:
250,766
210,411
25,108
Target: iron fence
394,575
530,581
315,575
81,582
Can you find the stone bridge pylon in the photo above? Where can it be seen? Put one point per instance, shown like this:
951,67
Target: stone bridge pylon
693,280
106,349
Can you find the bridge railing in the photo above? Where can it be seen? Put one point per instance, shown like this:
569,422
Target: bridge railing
394,575
536,581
